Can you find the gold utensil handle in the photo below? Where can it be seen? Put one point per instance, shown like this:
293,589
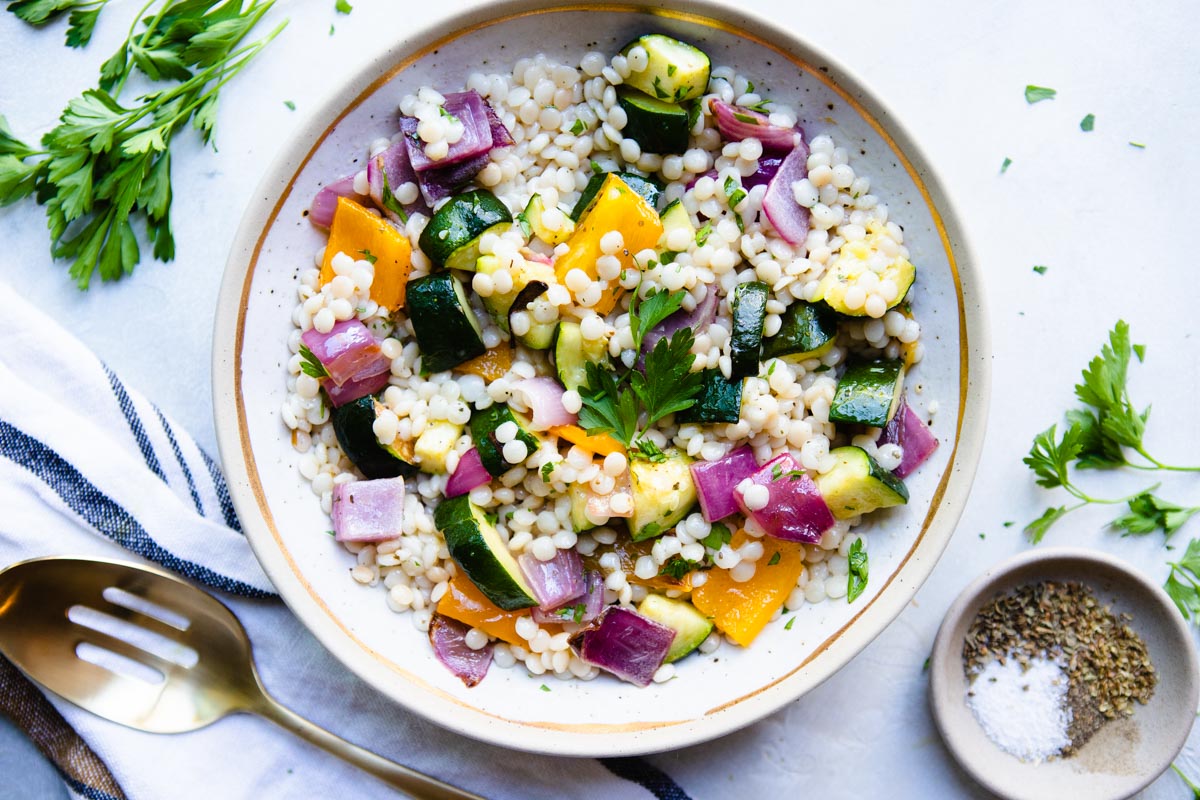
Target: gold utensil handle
421,787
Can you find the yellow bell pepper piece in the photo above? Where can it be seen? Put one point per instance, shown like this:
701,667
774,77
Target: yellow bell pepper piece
491,365
356,231
742,610
616,208
464,602
600,444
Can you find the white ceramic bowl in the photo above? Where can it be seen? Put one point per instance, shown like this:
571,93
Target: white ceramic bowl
712,695
1124,756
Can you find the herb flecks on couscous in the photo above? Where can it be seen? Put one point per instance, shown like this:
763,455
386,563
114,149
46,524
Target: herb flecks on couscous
605,352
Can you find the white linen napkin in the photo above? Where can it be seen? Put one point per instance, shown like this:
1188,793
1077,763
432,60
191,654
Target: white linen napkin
90,467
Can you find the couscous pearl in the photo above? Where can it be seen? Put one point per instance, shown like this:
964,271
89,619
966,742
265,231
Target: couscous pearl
756,497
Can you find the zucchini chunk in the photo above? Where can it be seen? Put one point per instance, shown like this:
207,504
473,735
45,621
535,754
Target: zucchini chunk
852,264
868,393
451,239
809,330
647,188
719,400
675,218
434,445
656,125
476,546
749,307
353,424
858,485
663,494
579,517
675,71
499,305
491,450
572,353
690,626
444,323
533,215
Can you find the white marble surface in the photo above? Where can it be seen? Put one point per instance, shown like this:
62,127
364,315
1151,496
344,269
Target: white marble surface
1104,217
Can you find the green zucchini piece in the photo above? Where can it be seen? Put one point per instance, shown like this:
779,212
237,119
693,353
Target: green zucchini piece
847,270
868,393
809,330
663,494
500,306
749,314
719,400
476,546
579,518
572,353
443,321
451,239
675,217
532,215
690,626
483,431
353,424
858,485
648,188
675,71
656,125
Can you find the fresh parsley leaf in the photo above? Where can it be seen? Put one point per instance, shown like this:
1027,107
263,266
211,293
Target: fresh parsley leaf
1139,350
645,314
595,167
343,7
370,257
1183,584
1036,94
1148,513
776,472
761,106
659,92
311,365
719,535
671,70
389,201
1004,165
578,127
789,624
547,468
607,406
1088,123
1008,523
774,559
859,567
1036,530
745,118
1040,269
668,385
545,688
522,221
734,193
646,450
703,234
290,105
693,111
677,567
1050,457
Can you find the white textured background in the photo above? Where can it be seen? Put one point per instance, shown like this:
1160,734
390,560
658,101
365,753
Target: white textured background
1115,225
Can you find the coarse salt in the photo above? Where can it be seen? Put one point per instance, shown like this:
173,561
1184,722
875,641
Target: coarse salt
1023,709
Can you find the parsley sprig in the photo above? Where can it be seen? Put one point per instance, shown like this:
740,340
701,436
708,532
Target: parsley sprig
108,163
856,581
1099,436
1183,584
81,21
618,404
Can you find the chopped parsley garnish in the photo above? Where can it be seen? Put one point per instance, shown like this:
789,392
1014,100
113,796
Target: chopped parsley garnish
1183,584
547,468
659,92
703,234
734,193
1087,123
291,106
760,106
1036,94
857,579
671,70
1040,269
522,221
718,536
578,127
1138,145
311,365
595,167
389,200
1004,165
776,472
789,624
677,567
544,688
369,256
343,7
745,118
1139,350
774,559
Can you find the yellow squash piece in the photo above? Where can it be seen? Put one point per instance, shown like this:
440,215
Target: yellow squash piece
491,365
464,602
601,443
356,232
616,208
742,610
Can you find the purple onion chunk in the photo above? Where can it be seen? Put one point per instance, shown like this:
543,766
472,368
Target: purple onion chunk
393,164
324,205
500,135
715,481
556,581
580,610
543,396
916,441
469,474
368,511
768,165
348,352
789,218
469,109
795,510
449,640
625,643
737,123
356,388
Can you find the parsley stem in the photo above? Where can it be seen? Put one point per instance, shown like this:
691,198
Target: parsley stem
1158,464
1187,780
1086,498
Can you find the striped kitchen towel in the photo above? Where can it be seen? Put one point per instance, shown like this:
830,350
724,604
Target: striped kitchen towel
90,467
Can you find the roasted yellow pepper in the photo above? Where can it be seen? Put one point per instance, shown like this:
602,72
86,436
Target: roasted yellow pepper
357,232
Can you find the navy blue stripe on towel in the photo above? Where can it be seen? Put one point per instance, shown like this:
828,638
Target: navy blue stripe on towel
646,775
104,514
135,424
222,488
187,473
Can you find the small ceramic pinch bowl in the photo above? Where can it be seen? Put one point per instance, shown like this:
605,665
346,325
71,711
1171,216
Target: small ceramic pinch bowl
1126,754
